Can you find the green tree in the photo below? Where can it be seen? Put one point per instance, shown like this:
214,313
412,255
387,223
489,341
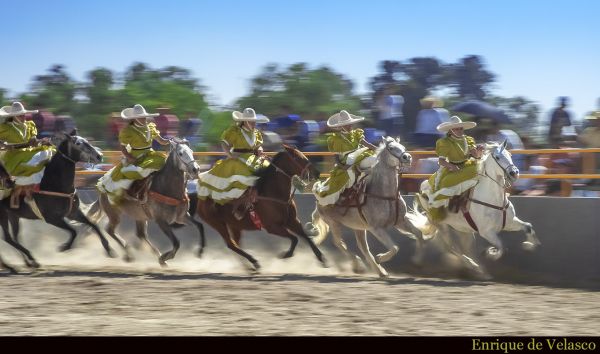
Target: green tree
311,93
470,78
54,91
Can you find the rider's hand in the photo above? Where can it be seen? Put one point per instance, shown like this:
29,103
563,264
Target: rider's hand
261,151
453,168
130,159
45,141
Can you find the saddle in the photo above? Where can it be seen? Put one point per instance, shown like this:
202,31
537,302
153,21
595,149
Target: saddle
460,203
139,189
353,197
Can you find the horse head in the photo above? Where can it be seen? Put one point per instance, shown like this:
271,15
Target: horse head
77,148
184,156
294,163
393,154
502,164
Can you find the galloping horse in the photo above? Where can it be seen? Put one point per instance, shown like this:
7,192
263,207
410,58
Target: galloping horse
275,206
56,198
167,200
383,207
488,212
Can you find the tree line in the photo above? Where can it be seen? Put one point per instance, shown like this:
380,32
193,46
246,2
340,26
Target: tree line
313,93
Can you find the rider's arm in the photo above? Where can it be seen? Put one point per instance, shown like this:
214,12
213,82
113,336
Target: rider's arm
161,140
443,162
126,153
368,144
227,149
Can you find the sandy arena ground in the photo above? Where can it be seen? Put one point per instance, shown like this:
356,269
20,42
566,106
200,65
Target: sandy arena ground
84,293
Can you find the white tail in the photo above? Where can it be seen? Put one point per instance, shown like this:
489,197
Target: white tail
319,228
419,220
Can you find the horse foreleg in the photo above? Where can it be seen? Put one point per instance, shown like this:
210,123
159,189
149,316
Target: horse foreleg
496,251
516,224
141,231
200,227
361,240
281,231
6,266
13,241
336,232
295,228
80,217
174,242
386,240
233,243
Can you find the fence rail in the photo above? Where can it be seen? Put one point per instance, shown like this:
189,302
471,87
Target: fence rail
588,163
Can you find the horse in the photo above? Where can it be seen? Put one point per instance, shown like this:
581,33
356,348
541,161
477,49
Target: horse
382,207
56,198
274,205
166,200
487,213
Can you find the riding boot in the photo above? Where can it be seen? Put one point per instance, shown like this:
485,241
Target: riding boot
15,197
31,202
241,205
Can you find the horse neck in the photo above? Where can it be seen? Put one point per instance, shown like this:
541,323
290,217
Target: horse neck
487,190
383,179
59,174
169,180
279,185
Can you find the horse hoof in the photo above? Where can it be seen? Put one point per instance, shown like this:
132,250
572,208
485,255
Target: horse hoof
285,255
34,265
162,263
10,269
383,275
493,253
529,246
128,258
64,247
199,254
111,253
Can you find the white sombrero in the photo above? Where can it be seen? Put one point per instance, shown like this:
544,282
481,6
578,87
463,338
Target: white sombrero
343,118
593,115
248,116
138,111
16,109
455,122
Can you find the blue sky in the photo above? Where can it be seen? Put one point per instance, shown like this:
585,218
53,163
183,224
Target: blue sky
539,49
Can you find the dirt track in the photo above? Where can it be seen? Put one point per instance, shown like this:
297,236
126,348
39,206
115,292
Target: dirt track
84,293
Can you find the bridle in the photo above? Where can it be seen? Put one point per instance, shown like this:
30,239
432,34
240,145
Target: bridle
506,183
181,160
303,171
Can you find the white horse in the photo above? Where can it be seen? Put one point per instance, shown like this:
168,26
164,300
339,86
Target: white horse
383,207
488,210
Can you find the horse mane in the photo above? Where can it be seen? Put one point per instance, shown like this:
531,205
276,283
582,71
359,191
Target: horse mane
264,172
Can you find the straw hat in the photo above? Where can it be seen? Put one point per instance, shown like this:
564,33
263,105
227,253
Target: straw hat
136,112
15,110
343,118
455,122
248,116
434,101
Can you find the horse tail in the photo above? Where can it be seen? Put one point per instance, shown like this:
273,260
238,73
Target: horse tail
93,211
419,220
318,227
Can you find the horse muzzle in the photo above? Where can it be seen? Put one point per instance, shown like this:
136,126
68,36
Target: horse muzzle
513,174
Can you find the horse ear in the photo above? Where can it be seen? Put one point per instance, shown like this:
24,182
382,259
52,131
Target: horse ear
398,139
73,132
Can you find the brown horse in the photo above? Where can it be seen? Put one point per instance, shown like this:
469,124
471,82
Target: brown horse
274,205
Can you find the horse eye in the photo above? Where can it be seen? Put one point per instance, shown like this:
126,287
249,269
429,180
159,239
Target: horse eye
181,154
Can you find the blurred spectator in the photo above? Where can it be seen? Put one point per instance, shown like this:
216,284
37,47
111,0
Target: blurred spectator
432,115
391,119
590,137
548,188
115,124
560,119
190,129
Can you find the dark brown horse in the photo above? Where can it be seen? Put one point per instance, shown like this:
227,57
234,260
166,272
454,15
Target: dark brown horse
275,206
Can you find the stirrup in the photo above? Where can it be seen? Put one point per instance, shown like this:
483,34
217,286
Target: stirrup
33,206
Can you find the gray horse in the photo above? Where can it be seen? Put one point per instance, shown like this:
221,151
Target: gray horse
166,202
384,207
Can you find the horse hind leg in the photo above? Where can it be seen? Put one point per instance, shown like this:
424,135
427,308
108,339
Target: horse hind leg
361,240
233,241
406,227
25,253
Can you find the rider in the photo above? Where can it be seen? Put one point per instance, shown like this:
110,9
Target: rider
229,178
458,168
24,158
354,155
140,160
